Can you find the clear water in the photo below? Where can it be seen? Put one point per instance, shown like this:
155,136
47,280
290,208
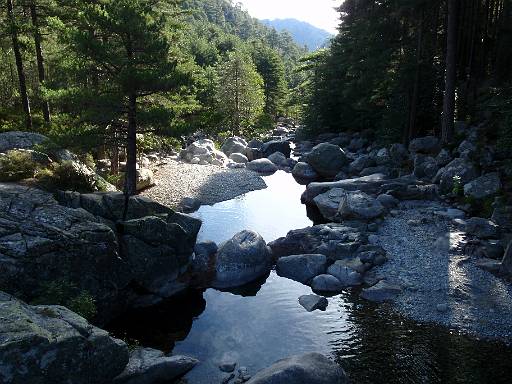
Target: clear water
263,323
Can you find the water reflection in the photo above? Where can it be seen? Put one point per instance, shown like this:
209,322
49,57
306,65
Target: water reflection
271,212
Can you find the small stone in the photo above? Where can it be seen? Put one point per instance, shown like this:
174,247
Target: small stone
442,307
313,302
227,366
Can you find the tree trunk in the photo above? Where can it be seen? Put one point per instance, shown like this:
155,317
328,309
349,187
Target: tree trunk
19,65
451,73
131,148
39,57
412,131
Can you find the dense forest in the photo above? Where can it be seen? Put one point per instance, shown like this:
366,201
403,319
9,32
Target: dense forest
397,67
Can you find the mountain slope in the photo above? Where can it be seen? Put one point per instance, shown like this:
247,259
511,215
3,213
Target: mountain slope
303,33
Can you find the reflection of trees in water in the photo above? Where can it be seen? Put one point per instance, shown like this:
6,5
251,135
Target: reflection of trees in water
160,326
386,348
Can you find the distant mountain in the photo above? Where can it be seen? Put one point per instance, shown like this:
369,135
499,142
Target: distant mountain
303,33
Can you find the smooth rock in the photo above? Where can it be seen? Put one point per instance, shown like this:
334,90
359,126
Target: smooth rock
238,158
347,276
262,166
234,145
278,159
327,159
326,283
382,291
304,171
301,268
51,344
150,366
313,302
241,260
311,368
270,147
338,205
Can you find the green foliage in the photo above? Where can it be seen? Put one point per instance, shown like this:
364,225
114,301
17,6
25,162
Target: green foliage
457,188
17,165
150,142
240,92
68,176
65,293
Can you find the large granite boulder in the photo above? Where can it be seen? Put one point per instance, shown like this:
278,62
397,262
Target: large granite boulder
301,268
336,241
347,276
241,260
78,241
337,205
428,145
20,140
262,166
327,159
203,152
425,167
362,162
278,159
311,368
369,184
463,169
234,145
273,146
51,344
482,228
151,366
304,171
145,178
484,186
326,283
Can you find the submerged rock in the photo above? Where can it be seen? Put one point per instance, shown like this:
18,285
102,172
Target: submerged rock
382,291
150,366
51,344
313,302
241,260
311,368
301,268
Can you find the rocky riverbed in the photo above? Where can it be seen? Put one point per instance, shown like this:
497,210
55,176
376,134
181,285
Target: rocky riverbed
427,256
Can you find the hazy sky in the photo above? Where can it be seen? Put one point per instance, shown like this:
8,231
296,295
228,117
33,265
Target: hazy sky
320,13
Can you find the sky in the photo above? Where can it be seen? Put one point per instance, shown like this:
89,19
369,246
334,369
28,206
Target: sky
320,13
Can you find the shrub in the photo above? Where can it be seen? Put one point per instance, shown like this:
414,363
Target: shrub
65,293
17,165
67,175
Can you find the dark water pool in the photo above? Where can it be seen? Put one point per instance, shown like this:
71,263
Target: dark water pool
265,322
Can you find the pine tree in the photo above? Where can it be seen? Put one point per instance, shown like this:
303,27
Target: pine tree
125,50
240,92
271,68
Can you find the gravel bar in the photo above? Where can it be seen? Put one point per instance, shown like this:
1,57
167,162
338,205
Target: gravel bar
442,284
209,184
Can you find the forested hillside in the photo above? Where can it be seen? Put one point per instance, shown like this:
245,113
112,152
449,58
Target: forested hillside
303,33
395,66
67,69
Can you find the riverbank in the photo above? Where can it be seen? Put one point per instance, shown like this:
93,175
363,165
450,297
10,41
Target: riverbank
209,184
427,256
